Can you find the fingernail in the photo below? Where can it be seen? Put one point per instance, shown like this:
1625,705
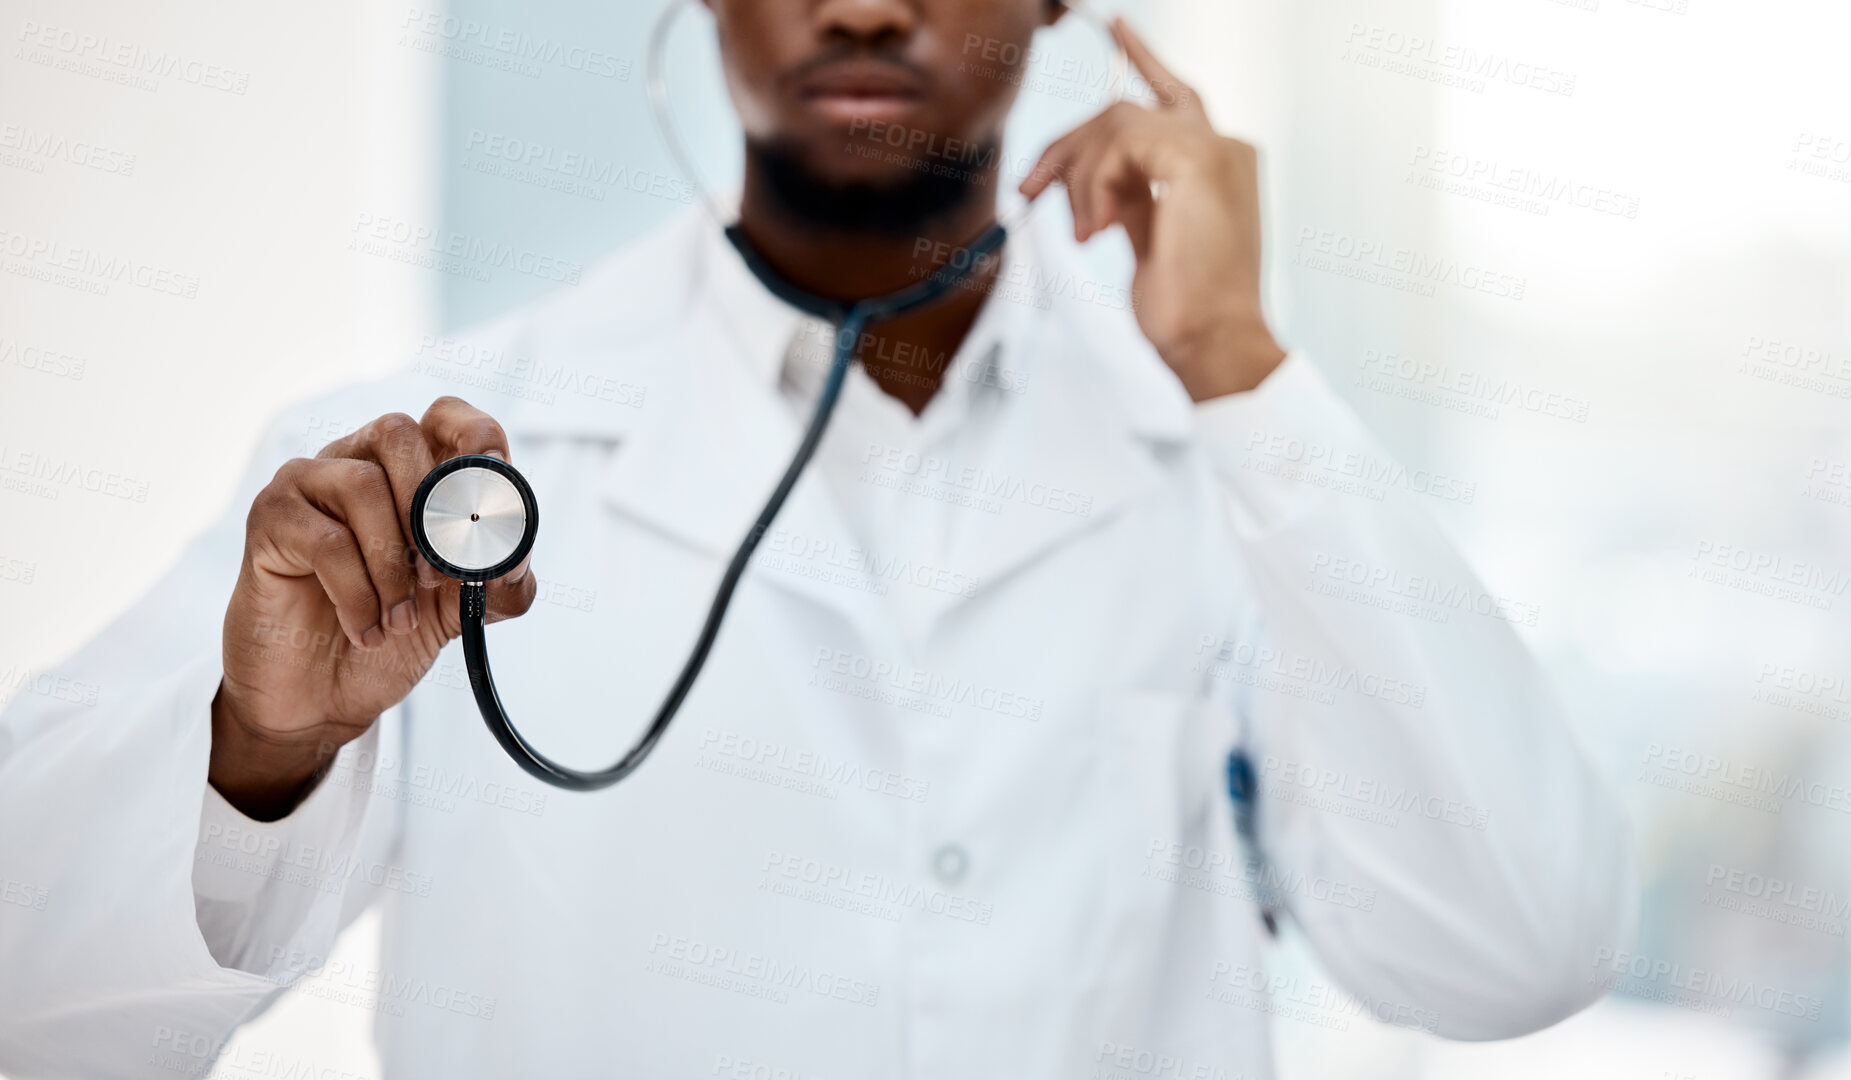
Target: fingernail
373,639
495,454
403,619
427,574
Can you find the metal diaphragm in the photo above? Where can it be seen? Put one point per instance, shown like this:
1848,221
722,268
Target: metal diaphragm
474,518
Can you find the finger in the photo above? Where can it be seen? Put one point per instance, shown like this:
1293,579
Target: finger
1063,158
1119,193
1052,164
1099,136
358,493
1088,216
455,427
514,594
1172,92
398,445
301,540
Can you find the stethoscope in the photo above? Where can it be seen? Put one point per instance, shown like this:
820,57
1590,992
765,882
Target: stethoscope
474,517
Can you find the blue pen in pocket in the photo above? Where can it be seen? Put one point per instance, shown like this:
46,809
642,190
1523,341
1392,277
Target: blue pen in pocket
1244,791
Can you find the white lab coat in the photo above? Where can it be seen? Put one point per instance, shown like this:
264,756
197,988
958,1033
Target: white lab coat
991,838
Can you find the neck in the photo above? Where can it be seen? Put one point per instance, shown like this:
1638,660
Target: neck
907,356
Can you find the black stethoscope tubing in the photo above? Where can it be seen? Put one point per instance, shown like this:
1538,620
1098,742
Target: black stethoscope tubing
850,321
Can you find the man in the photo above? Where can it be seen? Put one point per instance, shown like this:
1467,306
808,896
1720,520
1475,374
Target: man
950,798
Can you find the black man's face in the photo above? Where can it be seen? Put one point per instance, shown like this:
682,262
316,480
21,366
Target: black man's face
860,92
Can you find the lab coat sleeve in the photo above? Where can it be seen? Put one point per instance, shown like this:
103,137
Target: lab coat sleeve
1430,822
147,917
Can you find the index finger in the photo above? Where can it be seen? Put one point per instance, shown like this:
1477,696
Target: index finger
1172,92
455,427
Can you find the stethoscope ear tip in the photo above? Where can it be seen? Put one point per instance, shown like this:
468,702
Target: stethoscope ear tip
474,518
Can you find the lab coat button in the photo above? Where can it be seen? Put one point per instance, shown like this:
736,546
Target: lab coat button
949,864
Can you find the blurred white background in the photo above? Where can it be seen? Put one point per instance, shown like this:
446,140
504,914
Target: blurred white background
1591,257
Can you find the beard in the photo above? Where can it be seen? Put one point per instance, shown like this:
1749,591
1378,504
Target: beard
899,207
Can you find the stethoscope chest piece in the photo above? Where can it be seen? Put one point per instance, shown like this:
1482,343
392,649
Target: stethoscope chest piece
474,518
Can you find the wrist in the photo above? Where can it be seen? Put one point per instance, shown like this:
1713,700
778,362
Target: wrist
265,774
1231,359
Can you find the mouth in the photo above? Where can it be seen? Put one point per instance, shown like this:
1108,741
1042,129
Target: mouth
866,90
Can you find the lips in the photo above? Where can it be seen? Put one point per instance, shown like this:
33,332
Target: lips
848,90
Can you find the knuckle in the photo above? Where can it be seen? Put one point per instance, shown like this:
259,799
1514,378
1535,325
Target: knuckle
367,481
517,598
449,403
486,432
289,473
329,540
394,427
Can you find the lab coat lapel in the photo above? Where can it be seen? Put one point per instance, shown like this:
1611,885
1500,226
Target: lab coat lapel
697,463
1083,438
